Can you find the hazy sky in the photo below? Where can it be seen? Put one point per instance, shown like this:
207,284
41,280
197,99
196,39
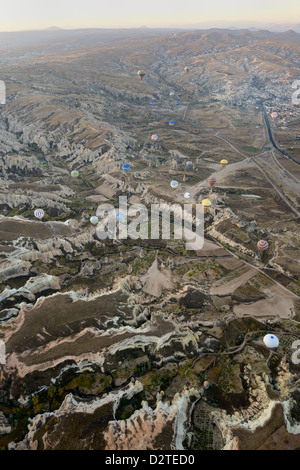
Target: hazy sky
40,14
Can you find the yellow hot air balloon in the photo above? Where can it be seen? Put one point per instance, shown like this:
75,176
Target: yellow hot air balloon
206,203
141,74
223,163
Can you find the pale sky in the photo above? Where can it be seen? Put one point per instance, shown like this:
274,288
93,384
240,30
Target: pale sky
16,15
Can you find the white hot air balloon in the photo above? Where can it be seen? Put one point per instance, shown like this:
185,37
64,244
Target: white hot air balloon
94,220
271,341
187,195
174,184
39,213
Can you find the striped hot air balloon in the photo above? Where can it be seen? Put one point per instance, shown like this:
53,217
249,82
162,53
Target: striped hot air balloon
126,167
206,203
39,213
44,163
189,164
224,163
141,74
212,181
262,245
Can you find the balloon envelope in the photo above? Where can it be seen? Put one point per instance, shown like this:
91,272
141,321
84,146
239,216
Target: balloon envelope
174,184
94,220
75,174
141,74
212,180
171,123
187,195
224,163
120,216
186,69
44,163
206,203
262,245
39,213
271,341
154,137
126,167
189,164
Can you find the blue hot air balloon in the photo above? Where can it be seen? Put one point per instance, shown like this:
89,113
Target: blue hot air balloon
126,167
172,123
120,216
152,102
177,102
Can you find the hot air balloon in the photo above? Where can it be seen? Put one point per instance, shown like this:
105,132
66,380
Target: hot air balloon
94,220
171,93
120,216
223,163
206,203
152,102
177,102
262,245
141,74
126,167
274,116
39,213
44,163
174,184
189,164
271,341
186,69
187,195
75,174
154,137
212,181
171,123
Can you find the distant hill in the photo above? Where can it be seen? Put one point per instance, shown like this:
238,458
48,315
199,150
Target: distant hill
53,28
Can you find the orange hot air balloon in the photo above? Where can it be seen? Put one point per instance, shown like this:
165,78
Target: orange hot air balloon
223,163
186,69
262,245
141,74
212,181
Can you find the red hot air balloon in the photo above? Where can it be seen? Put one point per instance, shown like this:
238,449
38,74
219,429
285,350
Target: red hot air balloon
212,181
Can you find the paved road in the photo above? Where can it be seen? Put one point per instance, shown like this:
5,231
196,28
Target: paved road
271,137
